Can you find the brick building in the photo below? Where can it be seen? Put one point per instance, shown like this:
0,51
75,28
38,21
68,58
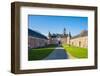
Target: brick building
36,39
80,40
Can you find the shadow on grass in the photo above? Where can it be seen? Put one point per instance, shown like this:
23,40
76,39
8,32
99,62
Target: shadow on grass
40,52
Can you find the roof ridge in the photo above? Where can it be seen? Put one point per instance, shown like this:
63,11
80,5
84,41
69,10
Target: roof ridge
36,34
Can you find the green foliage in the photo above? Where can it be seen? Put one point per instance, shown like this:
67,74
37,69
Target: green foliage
77,52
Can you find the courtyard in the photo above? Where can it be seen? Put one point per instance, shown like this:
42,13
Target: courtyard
57,37
51,52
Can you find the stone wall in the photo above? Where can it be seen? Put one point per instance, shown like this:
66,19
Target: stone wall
36,42
64,40
80,42
53,41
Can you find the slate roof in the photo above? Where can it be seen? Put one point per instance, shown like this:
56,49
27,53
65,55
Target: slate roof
82,34
36,34
58,35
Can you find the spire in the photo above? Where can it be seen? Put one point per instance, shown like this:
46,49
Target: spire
69,34
64,32
49,34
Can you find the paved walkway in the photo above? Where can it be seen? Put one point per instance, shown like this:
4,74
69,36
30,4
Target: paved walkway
58,53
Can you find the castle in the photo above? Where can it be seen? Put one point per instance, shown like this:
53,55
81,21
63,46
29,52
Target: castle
80,40
59,38
36,39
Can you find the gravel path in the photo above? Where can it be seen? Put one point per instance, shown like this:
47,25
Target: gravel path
58,53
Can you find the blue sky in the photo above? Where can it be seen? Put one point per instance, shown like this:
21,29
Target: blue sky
56,24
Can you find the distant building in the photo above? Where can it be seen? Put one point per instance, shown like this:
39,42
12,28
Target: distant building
80,40
62,38
53,39
36,39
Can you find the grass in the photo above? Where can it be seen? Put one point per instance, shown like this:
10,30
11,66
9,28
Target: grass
40,53
76,51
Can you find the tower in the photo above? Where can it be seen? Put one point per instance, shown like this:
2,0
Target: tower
64,32
69,38
64,37
49,34
69,35
49,38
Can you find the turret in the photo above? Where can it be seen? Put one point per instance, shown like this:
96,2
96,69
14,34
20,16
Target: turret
64,32
49,34
69,35
49,37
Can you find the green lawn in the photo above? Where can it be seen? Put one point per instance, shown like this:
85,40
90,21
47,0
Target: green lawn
76,51
40,53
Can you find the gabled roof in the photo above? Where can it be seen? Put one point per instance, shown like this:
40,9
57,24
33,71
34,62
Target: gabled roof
58,35
36,34
82,34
